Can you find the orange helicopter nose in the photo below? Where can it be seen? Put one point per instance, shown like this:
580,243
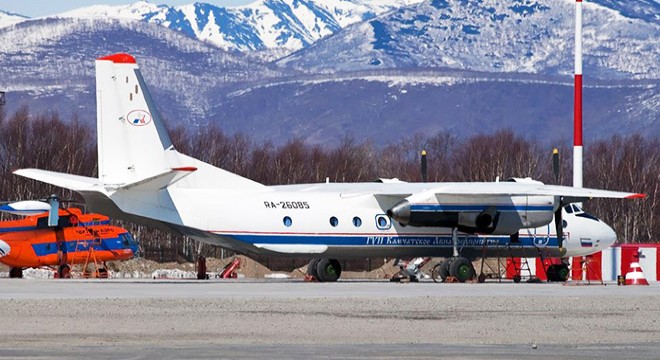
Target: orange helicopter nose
4,249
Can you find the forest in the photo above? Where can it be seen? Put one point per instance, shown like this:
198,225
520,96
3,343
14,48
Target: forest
626,163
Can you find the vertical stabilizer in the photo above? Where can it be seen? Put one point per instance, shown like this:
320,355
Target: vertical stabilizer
131,136
135,150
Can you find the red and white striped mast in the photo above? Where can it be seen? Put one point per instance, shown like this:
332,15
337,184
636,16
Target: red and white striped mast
577,106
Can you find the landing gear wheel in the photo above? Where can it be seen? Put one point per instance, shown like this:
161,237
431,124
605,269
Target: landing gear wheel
16,273
558,272
311,268
64,272
516,278
481,278
440,272
328,270
462,269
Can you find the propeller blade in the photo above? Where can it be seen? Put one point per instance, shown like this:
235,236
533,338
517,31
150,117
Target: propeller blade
424,167
555,165
559,225
26,208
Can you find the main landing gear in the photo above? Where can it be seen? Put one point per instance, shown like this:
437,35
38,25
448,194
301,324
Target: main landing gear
455,268
16,273
324,270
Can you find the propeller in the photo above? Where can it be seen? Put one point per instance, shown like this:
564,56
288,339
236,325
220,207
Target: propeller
25,208
48,205
555,165
559,222
424,167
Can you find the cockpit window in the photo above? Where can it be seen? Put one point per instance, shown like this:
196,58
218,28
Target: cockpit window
128,239
569,209
576,208
588,216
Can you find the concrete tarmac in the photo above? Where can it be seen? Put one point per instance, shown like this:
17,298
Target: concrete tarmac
146,319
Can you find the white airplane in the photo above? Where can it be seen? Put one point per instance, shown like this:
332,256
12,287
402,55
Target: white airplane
144,179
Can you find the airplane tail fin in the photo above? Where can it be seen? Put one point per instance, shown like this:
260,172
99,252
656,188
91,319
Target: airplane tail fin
134,148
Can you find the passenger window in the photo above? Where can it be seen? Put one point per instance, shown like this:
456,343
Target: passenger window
287,221
334,221
383,222
357,222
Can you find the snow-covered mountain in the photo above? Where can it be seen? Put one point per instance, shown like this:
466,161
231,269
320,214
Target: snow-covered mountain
425,67
528,36
50,63
287,25
7,18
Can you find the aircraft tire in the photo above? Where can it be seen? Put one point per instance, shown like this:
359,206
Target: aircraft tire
462,269
558,273
440,272
311,268
328,270
64,272
16,273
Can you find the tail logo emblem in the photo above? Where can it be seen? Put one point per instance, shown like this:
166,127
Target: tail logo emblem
139,118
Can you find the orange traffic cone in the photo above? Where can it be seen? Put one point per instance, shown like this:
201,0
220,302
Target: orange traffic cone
635,276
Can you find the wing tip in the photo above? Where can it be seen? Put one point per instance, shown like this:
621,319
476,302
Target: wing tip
636,196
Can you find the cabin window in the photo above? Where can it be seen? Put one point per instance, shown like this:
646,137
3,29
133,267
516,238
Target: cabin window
130,96
334,221
357,222
383,222
287,221
127,79
136,89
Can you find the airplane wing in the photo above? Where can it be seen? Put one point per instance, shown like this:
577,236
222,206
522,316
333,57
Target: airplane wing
510,189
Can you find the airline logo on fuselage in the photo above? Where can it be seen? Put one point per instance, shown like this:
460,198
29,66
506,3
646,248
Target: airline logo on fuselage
139,118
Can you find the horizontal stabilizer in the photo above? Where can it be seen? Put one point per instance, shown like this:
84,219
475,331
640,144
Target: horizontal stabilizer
67,181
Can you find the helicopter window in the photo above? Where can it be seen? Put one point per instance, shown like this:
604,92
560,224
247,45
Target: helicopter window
569,209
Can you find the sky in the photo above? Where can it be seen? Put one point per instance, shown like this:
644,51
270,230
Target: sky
37,8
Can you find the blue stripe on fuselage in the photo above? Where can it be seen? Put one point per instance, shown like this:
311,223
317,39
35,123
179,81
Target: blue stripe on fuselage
394,240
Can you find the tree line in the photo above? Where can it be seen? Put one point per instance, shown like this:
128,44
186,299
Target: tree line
626,163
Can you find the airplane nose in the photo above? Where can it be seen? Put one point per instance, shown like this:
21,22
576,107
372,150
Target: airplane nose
4,249
608,236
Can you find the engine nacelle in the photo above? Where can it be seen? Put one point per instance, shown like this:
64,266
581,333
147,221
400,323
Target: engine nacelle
504,217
